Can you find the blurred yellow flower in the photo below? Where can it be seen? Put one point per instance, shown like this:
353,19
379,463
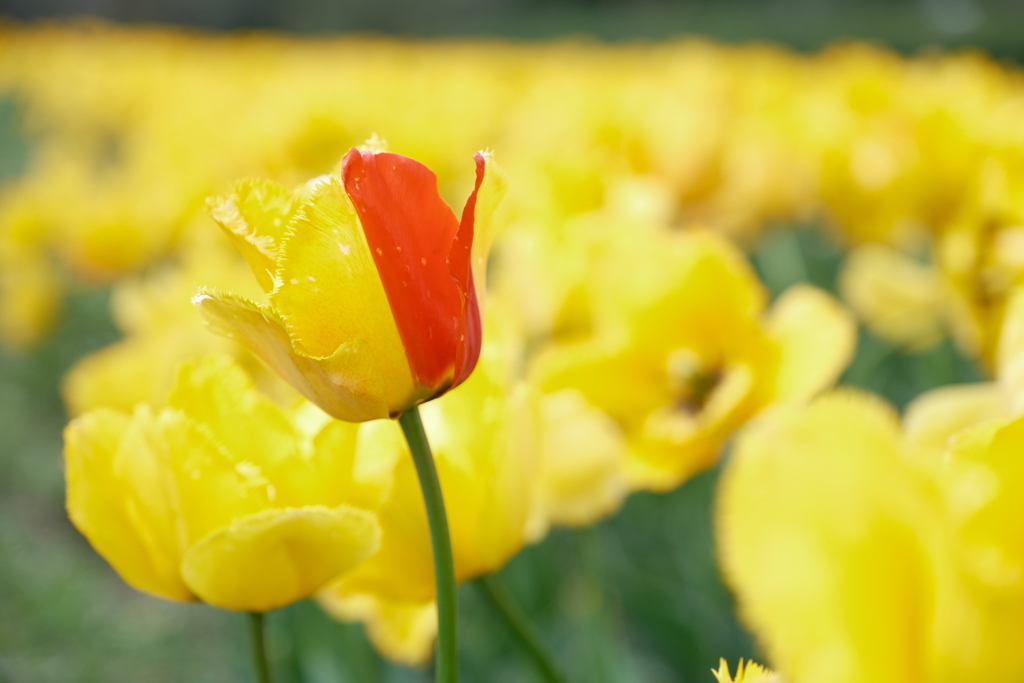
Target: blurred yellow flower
484,438
219,497
29,298
852,563
404,631
161,329
979,479
931,419
832,545
684,353
897,298
139,125
582,473
981,483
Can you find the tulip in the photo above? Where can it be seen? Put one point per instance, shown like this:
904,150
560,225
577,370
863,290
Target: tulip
852,563
745,673
485,445
934,417
219,497
582,463
897,298
826,537
160,330
371,283
683,352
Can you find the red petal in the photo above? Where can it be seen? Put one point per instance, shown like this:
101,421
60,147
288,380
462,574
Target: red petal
410,231
460,265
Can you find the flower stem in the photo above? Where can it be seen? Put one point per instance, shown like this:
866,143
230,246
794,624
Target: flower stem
519,624
259,647
447,666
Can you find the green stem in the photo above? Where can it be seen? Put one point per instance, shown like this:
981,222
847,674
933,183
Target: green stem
447,666
259,647
519,624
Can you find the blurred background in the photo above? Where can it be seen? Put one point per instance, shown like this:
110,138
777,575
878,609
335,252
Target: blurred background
804,24
635,598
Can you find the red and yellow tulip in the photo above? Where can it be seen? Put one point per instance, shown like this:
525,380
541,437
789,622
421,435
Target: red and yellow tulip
371,280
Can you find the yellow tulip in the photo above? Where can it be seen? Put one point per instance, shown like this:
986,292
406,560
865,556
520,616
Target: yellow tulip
932,418
828,541
29,298
935,416
404,631
373,307
898,299
582,473
981,480
684,353
161,329
745,673
219,497
484,439
852,563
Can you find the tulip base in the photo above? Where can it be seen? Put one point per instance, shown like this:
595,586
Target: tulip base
259,647
446,668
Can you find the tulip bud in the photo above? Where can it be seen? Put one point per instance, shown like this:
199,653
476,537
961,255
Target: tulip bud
371,281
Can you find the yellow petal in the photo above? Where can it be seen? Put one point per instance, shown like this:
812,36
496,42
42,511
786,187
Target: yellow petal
205,486
404,632
255,217
104,507
676,443
485,445
491,192
748,672
987,474
347,385
215,392
982,482
277,557
484,438
328,473
622,381
403,568
323,474
935,416
815,337
138,369
832,545
898,299
29,299
583,455
488,430
329,292
1010,352
693,291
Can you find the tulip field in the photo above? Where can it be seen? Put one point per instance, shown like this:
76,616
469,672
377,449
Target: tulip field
366,360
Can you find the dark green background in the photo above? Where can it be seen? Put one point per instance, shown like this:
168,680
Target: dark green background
907,25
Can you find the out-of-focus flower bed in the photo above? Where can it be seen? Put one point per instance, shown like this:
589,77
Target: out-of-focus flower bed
681,224
133,129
